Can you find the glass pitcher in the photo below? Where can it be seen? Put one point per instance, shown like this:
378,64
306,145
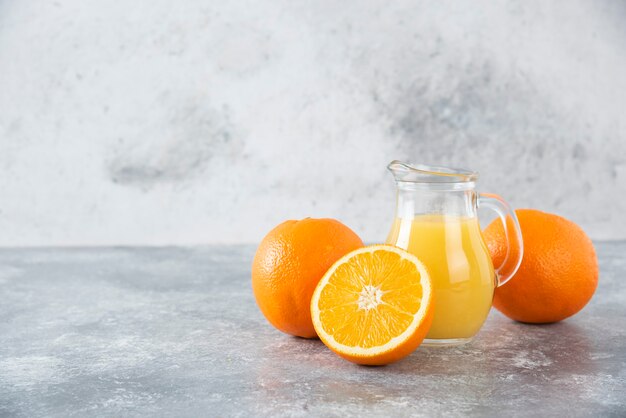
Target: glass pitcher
436,219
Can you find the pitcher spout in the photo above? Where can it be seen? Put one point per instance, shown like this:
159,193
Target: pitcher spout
420,173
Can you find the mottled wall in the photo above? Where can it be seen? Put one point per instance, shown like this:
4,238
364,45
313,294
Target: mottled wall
196,122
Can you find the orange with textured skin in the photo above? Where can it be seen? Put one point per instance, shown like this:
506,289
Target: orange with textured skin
290,261
374,306
558,274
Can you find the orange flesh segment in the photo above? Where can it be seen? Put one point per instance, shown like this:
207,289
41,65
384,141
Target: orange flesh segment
392,282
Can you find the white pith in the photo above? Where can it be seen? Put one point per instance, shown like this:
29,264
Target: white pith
394,342
370,297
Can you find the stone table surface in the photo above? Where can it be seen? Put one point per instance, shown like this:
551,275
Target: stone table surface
176,332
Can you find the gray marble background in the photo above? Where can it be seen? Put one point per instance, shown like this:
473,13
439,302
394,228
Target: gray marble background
163,122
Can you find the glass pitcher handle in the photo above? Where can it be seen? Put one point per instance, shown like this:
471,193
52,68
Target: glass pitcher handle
512,233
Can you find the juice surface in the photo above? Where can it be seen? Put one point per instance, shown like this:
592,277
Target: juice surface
457,259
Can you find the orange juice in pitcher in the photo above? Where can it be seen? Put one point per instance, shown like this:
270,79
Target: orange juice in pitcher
436,219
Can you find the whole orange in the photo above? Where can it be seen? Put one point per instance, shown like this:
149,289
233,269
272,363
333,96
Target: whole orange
289,263
559,270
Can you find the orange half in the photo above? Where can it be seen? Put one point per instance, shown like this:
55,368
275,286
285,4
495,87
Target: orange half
374,305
